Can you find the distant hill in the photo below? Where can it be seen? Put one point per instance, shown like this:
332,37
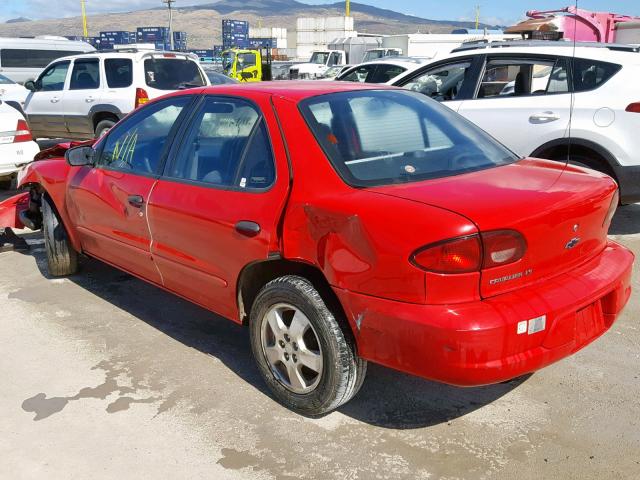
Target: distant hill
203,22
18,20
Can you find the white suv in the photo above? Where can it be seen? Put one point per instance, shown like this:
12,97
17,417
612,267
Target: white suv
82,96
540,101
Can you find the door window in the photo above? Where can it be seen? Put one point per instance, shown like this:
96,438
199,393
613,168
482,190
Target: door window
227,145
52,79
139,143
334,58
30,58
119,72
441,83
359,74
85,75
246,60
520,77
385,73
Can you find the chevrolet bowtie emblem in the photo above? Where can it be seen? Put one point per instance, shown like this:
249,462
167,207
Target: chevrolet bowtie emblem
572,243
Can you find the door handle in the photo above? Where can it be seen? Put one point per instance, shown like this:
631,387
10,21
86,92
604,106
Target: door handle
248,228
136,201
55,99
89,99
544,117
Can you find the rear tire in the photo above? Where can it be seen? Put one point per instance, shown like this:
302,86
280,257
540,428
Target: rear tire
103,127
62,259
336,372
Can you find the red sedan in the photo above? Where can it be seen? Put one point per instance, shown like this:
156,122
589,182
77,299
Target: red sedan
343,224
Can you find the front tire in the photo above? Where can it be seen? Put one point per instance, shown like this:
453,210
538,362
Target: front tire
103,127
62,259
307,360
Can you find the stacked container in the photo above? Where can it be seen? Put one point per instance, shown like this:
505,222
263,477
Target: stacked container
235,33
117,37
180,41
317,33
159,36
277,35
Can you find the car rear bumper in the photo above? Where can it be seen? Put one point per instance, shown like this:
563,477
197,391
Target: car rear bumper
14,155
478,343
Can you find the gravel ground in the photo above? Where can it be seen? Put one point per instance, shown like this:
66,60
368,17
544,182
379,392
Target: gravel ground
104,376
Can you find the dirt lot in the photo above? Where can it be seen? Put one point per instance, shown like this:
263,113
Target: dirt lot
104,376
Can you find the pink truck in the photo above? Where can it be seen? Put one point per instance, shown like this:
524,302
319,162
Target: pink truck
571,23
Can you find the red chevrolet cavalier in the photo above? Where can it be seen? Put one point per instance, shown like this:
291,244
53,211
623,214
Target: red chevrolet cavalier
343,224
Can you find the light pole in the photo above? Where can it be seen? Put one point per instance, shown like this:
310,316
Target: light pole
169,3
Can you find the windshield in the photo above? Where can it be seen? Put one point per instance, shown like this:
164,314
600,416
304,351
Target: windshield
5,81
380,137
172,73
319,57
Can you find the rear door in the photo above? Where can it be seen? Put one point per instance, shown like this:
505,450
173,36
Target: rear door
217,207
109,202
44,107
522,101
83,92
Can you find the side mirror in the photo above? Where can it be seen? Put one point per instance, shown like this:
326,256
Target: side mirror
30,85
79,156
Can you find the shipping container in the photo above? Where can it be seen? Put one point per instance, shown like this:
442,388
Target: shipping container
268,32
235,26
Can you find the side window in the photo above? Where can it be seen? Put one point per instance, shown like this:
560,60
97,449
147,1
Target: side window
227,145
441,83
139,143
333,59
53,78
385,73
517,77
246,60
85,75
590,74
360,74
119,72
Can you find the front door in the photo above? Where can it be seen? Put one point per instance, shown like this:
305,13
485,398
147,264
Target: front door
217,207
523,102
44,106
109,202
85,91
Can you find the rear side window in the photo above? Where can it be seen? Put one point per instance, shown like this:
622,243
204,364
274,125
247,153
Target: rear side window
172,73
227,145
119,72
31,58
386,137
85,75
518,77
591,74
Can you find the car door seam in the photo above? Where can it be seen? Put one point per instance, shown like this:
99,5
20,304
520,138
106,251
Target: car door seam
151,239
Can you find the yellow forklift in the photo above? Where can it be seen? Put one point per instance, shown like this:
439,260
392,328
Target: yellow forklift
247,65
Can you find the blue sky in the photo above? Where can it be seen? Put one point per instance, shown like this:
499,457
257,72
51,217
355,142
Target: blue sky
492,11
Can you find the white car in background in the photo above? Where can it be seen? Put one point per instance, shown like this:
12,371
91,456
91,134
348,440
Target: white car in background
17,147
381,71
547,100
11,91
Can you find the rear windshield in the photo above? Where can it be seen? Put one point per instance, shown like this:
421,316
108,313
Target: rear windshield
382,137
172,73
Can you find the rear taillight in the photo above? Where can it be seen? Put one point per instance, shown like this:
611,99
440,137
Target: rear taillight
458,255
633,108
141,97
612,209
471,253
502,247
23,134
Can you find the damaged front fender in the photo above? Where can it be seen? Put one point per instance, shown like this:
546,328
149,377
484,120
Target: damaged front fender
12,209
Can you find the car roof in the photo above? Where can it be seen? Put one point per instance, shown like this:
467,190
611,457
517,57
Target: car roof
623,54
130,53
289,89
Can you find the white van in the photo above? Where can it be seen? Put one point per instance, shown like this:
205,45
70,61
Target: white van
23,59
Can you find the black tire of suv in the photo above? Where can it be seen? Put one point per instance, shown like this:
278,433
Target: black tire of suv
343,371
103,126
62,259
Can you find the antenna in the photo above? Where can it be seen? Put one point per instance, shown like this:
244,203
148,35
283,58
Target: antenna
169,3
85,31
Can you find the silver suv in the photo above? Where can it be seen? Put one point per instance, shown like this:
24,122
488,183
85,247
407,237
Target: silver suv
82,96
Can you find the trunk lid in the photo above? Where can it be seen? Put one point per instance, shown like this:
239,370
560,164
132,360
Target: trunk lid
560,211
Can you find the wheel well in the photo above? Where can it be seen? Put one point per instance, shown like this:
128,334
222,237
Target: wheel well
588,155
256,275
100,116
